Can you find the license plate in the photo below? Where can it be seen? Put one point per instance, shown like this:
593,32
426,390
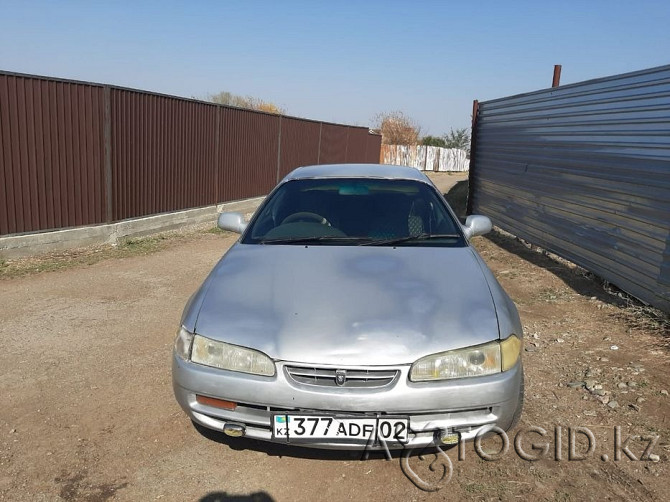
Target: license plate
340,429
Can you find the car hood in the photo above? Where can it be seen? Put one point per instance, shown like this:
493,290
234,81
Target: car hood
347,305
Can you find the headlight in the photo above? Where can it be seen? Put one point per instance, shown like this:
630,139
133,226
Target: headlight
182,344
480,360
230,357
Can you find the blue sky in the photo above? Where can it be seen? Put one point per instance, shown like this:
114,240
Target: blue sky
342,61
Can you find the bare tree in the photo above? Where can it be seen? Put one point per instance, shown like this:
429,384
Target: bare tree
249,102
397,128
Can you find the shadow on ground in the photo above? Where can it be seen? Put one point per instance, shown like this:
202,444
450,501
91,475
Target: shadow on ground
629,310
224,497
580,281
634,313
279,450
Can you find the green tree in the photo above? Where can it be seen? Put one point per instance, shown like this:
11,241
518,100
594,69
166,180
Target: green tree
460,138
433,141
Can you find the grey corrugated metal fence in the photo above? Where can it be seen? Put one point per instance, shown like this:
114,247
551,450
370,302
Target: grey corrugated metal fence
584,171
79,153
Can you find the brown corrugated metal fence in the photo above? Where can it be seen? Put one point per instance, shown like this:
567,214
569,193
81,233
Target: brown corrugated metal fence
373,149
333,144
248,151
162,154
51,158
300,141
356,144
78,153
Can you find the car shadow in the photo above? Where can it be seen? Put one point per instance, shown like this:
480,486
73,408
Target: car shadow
224,497
279,450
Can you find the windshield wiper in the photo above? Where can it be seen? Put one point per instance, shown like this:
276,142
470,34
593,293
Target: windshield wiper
312,239
420,237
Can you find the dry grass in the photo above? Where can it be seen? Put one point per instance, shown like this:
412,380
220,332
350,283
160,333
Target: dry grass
132,246
644,317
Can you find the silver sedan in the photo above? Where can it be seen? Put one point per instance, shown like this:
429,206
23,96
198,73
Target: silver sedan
352,313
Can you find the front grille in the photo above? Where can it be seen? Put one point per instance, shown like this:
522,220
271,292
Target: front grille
327,377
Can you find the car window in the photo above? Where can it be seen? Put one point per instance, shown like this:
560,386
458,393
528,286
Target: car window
355,211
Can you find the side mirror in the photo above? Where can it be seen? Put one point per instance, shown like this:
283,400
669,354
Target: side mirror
232,221
477,225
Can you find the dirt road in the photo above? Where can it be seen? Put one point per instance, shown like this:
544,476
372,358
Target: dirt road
88,413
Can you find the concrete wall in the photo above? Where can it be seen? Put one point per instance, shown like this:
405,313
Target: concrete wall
17,246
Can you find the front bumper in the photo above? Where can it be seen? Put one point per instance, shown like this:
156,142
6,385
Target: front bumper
466,406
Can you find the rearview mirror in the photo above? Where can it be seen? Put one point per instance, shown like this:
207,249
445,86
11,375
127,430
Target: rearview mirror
477,225
232,221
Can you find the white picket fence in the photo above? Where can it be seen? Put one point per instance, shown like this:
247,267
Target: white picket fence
426,158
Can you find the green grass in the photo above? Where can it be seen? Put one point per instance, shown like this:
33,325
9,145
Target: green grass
497,489
217,230
141,245
562,497
475,488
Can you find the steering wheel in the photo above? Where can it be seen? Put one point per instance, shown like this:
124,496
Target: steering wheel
307,217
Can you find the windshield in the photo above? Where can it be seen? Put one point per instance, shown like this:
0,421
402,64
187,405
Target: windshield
343,211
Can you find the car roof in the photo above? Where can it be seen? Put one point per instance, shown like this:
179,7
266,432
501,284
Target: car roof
357,171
